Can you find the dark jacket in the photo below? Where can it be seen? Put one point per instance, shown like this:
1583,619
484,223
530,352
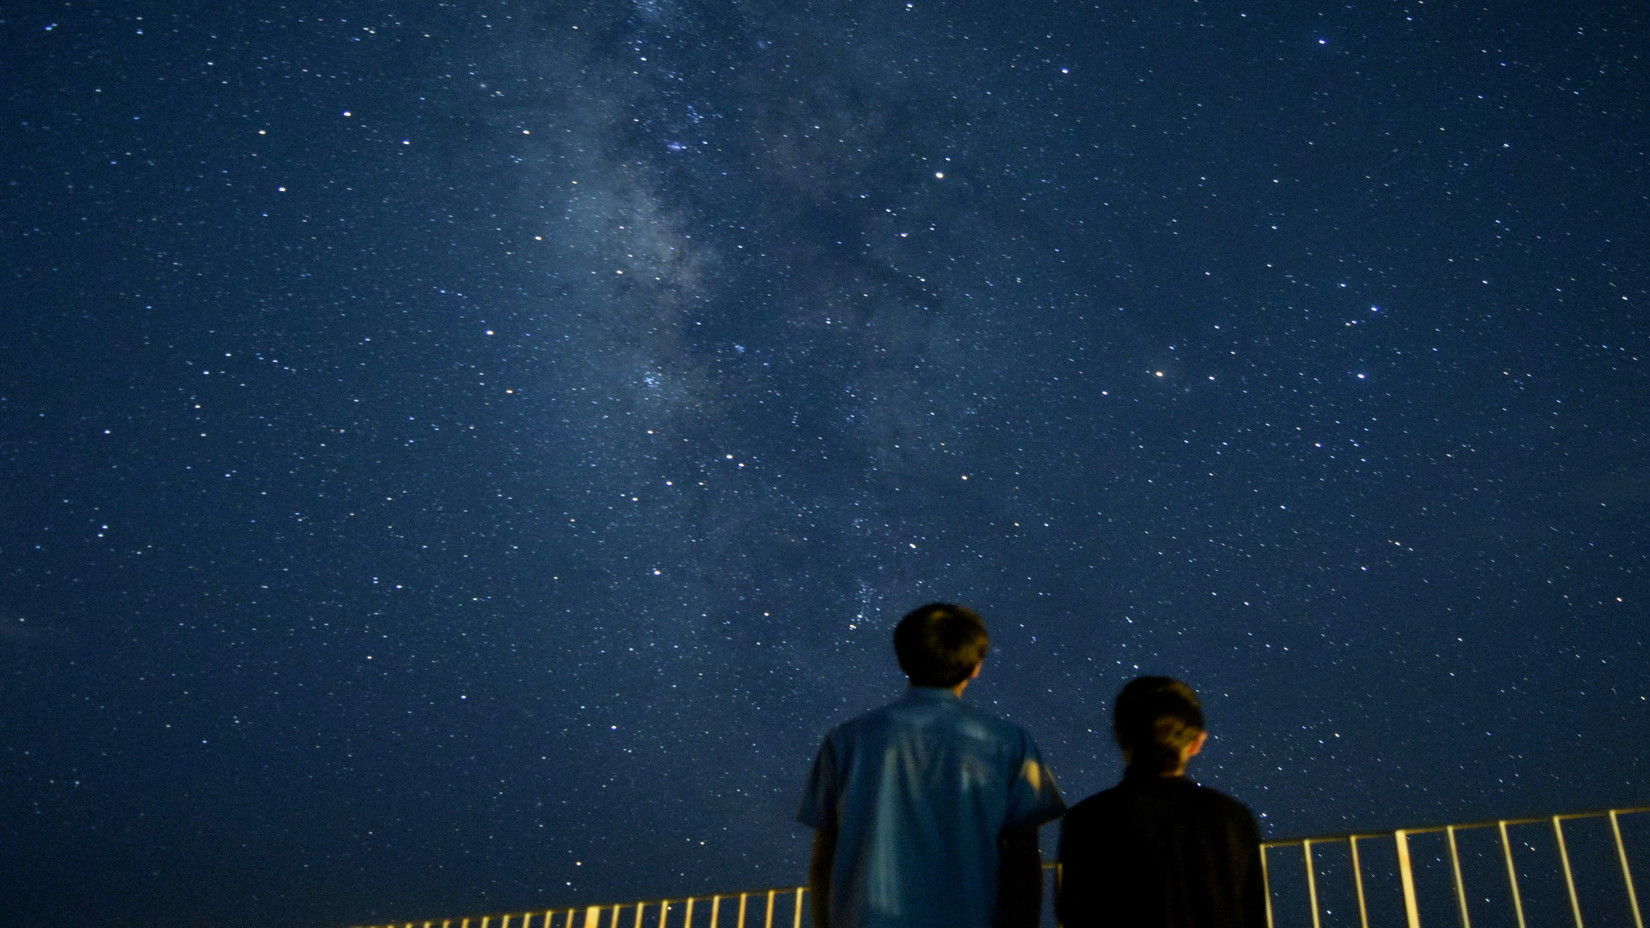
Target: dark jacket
1160,852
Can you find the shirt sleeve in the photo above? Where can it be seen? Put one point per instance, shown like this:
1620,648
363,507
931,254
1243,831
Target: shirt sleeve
818,807
1033,798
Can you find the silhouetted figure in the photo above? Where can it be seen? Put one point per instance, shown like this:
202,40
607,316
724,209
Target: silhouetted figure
1157,850
925,812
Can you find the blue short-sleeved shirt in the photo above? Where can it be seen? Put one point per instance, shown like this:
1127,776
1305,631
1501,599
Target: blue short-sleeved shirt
917,793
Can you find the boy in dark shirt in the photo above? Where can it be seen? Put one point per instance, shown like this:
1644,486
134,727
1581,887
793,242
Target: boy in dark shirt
1157,850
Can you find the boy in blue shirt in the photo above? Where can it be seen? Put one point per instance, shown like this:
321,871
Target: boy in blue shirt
925,811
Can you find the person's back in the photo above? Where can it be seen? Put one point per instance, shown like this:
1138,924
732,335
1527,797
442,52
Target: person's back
1158,850
925,811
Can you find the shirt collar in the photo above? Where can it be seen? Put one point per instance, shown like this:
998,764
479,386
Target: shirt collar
931,694
1143,776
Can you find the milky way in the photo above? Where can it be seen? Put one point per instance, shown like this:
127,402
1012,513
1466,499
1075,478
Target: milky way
461,459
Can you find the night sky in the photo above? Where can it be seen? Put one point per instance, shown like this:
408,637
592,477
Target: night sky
460,457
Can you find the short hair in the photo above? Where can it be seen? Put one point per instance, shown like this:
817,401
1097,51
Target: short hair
940,644
1154,719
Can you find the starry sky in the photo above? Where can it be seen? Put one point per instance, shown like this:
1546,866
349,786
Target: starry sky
460,457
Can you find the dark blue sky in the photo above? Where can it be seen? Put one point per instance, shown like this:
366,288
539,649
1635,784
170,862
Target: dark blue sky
461,457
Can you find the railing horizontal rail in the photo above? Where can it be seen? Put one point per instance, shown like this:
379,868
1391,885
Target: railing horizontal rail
1530,870
1435,829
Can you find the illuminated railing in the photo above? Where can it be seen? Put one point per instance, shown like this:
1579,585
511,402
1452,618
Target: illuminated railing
767,908
1517,872
1545,872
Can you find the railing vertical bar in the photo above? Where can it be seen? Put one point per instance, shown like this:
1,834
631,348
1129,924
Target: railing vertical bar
1460,884
687,918
1311,881
1569,877
640,908
1512,873
715,910
1626,871
767,921
743,898
1358,880
796,914
1266,880
1412,911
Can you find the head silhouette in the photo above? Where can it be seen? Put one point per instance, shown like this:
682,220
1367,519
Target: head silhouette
940,644
1156,720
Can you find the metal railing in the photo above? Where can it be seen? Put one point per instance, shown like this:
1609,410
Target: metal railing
1519,872
768,908
1548,871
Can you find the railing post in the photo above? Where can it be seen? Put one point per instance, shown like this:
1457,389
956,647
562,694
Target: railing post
1569,877
1311,881
1626,872
1412,911
1266,880
1512,873
1358,880
1460,885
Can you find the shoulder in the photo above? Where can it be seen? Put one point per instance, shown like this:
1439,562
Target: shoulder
1216,798
998,729
862,720
871,727
1096,804
1218,803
